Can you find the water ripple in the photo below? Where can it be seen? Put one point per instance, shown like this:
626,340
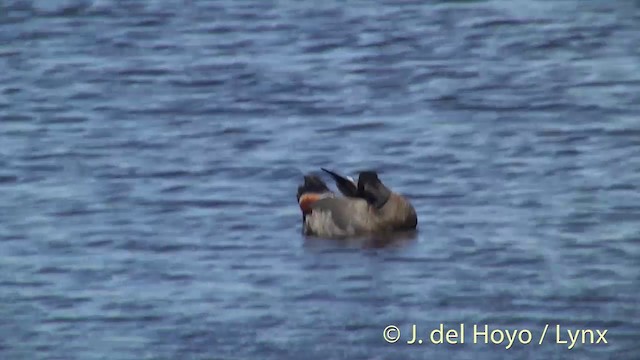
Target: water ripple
150,152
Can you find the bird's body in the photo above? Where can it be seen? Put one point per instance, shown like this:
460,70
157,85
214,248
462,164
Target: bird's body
367,208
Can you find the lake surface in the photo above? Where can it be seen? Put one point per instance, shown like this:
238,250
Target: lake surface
150,153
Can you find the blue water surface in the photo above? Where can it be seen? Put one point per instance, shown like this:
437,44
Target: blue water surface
150,153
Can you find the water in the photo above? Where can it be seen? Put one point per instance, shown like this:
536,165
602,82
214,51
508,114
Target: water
150,153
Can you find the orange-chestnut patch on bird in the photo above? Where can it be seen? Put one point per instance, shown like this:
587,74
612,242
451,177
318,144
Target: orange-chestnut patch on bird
306,200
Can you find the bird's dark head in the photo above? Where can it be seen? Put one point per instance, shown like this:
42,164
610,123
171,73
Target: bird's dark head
312,184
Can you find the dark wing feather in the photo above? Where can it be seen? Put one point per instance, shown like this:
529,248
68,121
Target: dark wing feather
346,186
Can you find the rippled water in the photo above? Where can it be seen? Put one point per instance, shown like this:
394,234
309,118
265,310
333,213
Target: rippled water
150,153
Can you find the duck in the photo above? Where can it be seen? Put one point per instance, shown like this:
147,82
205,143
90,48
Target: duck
366,207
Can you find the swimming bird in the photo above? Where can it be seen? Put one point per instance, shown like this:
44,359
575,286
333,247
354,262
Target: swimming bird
367,207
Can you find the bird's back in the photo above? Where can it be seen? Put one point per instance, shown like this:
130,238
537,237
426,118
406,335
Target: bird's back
344,216
339,217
